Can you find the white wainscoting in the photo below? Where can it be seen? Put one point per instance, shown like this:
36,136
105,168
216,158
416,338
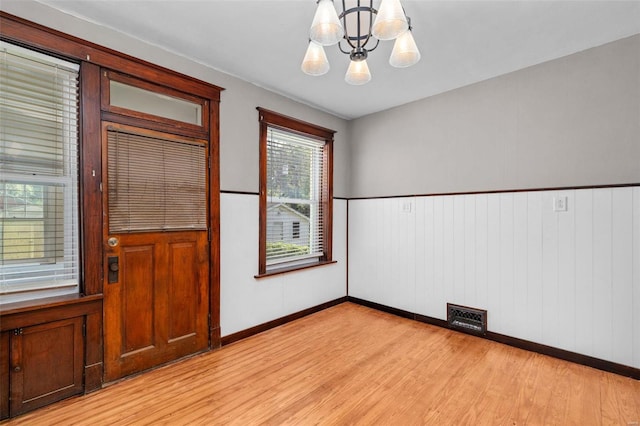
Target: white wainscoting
245,301
568,279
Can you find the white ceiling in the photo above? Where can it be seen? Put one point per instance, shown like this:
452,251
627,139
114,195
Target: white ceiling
462,42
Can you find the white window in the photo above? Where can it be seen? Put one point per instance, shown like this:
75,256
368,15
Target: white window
294,171
296,193
39,255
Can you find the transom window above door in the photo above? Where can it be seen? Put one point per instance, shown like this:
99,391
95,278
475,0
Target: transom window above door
168,109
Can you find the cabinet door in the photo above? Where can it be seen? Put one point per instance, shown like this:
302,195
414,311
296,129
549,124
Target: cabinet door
46,364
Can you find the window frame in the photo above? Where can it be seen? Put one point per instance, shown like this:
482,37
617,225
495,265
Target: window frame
273,119
65,254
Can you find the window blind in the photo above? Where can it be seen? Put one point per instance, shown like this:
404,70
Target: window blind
155,183
294,193
38,171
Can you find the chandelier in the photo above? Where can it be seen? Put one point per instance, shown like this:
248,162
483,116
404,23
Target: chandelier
360,28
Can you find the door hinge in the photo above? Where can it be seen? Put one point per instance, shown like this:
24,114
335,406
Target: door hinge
209,234
84,329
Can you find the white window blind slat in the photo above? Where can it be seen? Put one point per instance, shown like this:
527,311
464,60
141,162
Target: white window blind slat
39,246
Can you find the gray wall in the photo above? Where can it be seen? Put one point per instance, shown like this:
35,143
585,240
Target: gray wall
569,122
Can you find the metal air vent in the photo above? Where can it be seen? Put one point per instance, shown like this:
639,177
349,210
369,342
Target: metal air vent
469,320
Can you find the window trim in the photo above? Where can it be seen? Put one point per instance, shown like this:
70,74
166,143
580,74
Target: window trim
268,119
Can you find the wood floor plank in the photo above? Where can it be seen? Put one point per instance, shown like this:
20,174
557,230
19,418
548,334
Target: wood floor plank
353,365
583,397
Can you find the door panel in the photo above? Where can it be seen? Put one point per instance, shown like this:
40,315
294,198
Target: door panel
182,289
138,282
157,305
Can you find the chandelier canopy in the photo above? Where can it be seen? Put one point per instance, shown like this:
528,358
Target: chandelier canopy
360,28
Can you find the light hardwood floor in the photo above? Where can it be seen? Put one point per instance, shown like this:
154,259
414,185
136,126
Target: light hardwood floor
354,365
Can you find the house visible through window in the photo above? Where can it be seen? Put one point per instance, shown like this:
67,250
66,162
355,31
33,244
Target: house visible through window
38,175
295,188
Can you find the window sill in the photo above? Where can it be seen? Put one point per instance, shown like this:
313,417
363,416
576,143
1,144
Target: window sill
46,303
288,269
28,313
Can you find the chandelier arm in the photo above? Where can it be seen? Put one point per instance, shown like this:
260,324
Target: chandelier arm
346,52
374,47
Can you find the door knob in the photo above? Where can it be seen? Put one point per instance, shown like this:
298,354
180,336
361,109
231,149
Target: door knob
112,275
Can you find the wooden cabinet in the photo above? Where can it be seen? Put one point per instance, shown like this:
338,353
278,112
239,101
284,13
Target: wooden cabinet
49,352
46,363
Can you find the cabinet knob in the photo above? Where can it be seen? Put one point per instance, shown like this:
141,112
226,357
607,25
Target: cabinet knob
17,369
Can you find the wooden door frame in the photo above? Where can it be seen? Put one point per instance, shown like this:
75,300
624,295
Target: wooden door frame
215,337
212,136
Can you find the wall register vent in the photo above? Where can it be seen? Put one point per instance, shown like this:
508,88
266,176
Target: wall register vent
469,320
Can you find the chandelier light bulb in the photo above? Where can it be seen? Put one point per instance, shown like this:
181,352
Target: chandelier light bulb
405,51
315,61
358,73
326,28
390,21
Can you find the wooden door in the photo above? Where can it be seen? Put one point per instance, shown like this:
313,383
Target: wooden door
156,284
